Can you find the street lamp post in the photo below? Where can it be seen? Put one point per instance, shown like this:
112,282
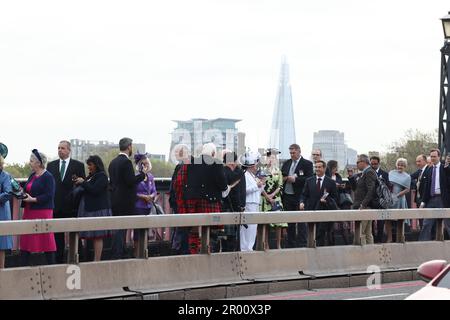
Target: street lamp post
444,100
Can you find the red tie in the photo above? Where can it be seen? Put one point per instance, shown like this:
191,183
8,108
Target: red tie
318,184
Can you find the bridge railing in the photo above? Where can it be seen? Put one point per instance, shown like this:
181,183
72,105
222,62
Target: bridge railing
205,221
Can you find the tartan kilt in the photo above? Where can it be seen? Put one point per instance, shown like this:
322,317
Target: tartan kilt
200,206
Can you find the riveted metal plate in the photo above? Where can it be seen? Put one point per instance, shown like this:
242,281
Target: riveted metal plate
385,255
46,280
242,266
385,214
47,227
235,265
243,219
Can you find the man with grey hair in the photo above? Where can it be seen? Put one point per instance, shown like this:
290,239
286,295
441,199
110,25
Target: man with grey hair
365,193
123,184
64,170
205,186
295,171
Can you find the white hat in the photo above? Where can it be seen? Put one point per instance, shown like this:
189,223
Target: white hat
249,159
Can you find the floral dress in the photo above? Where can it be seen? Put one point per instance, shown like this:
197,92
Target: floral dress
273,182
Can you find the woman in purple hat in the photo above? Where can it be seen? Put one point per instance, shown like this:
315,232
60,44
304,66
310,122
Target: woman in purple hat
146,190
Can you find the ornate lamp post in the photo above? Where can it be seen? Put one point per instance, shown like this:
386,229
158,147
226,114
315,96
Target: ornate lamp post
444,100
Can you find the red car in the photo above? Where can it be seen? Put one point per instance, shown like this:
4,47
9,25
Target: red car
437,274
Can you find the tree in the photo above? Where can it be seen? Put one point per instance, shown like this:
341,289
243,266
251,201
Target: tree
18,171
409,147
160,169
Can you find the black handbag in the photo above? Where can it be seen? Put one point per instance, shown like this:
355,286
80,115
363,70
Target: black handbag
276,207
75,195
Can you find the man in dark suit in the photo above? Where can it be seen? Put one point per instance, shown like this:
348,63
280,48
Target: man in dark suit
62,170
418,178
418,181
365,194
316,155
320,193
436,193
295,172
375,164
123,184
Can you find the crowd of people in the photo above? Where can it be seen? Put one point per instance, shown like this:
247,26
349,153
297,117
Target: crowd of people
212,183
61,189
248,184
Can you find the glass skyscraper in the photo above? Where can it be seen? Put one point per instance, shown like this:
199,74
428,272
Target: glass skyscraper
282,133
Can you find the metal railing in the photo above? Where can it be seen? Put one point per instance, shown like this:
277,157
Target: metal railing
263,219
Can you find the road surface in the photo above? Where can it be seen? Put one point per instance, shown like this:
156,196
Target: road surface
389,291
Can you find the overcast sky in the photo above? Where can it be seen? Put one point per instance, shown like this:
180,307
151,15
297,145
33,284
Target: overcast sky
102,70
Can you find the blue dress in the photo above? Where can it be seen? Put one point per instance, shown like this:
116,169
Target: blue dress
6,242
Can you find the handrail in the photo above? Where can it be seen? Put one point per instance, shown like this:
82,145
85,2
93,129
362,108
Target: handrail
205,220
212,219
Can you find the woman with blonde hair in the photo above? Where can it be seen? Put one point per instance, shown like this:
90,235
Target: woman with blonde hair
401,184
39,204
271,200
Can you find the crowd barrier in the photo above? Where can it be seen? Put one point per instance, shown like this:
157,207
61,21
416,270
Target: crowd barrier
144,275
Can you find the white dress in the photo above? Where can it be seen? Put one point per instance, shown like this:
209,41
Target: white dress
248,235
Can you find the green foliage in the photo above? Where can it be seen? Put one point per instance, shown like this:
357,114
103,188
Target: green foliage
409,147
17,170
160,169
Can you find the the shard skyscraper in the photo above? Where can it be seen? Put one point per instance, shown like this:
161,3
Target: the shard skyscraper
282,133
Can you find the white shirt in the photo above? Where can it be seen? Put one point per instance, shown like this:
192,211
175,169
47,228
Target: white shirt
321,181
67,165
437,186
289,188
124,154
252,190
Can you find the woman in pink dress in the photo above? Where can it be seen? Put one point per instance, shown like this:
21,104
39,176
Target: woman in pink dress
40,190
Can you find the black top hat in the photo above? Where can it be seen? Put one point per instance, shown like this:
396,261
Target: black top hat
3,150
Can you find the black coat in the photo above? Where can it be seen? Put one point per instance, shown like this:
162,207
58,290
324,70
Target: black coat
304,170
422,183
205,180
43,189
237,197
311,197
384,175
63,203
96,193
123,184
444,176
172,195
